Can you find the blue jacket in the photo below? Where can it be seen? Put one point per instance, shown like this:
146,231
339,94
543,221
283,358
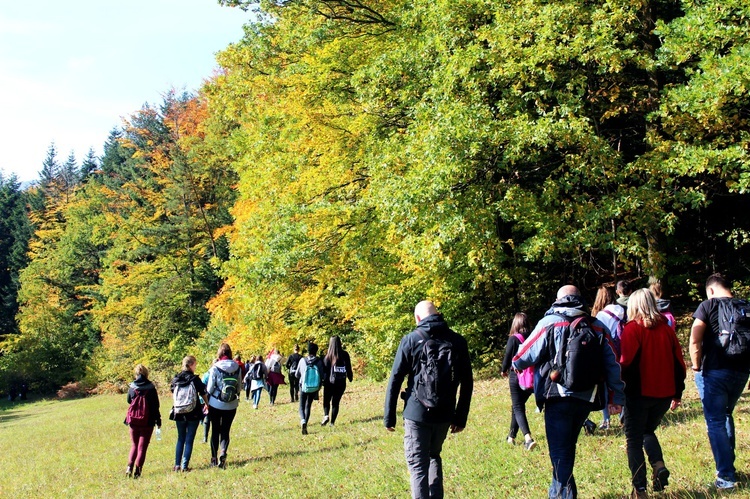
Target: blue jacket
533,350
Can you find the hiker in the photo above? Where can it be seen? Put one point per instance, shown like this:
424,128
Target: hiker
291,367
337,369
663,305
186,412
275,376
204,403
256,378
143,414
614,317
568,386
519,331
654,374
238,360
310,373
247,379
429,416
623,291
719,376
223,398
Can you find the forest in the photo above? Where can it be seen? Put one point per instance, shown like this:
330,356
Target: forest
352,157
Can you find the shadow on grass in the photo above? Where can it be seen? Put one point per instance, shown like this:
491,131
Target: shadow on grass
295,453
682,415
371,419
673,494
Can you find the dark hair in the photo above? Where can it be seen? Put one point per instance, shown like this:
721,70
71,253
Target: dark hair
224,351
624,287
312,348
717,280
604,296
334,350
520,325
296,348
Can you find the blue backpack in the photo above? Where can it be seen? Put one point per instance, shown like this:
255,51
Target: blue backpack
312,379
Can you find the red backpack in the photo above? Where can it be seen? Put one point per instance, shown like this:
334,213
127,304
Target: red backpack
525,377
138,410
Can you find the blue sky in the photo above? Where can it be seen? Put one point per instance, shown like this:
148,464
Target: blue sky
70,70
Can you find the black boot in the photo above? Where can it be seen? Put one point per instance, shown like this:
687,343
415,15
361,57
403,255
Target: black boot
137,472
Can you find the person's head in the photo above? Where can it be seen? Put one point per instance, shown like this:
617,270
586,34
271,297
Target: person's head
520,324
423,310
188,363
642,308
312,348
604,296
141,370
238,358
567,290
717,286
224,351
334,349
623,288
655,288
296,348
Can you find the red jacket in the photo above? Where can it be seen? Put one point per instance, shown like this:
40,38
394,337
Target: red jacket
658,349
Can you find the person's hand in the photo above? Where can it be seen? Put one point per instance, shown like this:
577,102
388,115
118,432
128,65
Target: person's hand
391,428
614,409
504,374
456,429
675,404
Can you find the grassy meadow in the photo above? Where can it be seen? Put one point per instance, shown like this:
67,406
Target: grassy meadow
78,448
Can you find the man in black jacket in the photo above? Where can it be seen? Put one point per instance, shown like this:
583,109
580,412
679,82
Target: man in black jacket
426,424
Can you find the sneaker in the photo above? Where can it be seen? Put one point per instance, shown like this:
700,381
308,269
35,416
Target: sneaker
722,484
304,428
529,445
223,461
255,406
187,469
214,462
661,479
325,420
175,468
139,469
129,471
589,427
604,425
511,441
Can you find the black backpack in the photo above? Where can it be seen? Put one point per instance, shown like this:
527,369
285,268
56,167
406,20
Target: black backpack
257,372
434,381
228,385
579,364
734,327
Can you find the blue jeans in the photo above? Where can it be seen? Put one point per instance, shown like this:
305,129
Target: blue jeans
185,436
563,419
719,390
422,445
256,395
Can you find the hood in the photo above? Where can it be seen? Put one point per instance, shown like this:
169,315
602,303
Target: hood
433,324
662,305
141,383
623,300
227,365
184,378
569,305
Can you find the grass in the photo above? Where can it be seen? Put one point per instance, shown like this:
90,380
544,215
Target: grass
79,448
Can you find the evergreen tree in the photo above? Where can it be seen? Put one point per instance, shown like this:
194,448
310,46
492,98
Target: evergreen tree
89,165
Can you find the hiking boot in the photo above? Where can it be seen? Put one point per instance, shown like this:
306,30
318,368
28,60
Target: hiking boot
223,461
529,445
175,468
722,484
604,425
661,479
325,420
129,471
304,428
187,469
639,494
137,472
511,441
214,462
589,427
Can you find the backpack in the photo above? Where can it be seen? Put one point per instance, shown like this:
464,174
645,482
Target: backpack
184,398
228,384
138,409
579,364
525,377
617,334
734,327
311,381
434,381
293,366
257,372
276,367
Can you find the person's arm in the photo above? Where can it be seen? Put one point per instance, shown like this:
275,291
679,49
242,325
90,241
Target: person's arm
629,343
696,343
400,369
510,350
531,350
155,407
466,389
613,373
349,372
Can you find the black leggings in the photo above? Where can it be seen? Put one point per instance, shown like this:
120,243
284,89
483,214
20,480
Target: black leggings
221,423
518,398
332,396
293,388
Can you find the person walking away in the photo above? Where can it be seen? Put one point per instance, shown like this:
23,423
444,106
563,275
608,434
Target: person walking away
654,374
247,379
623,290
721,370
337,368
223,399
204,403
519,331
143,414
275,376
257,377
614,317
310,373
567,386
662,304
291,367
429,415
187,412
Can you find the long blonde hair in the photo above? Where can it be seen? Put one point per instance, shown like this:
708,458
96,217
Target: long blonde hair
642,308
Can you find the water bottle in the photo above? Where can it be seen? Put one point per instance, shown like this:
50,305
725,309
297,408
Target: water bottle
158,434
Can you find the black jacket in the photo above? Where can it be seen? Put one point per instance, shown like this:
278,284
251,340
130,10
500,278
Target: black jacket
152,398
184,378
343,372
405,365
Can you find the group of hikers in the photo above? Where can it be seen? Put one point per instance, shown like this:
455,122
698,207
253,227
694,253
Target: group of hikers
622,357
215,398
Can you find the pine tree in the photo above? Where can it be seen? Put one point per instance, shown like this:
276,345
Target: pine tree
89,166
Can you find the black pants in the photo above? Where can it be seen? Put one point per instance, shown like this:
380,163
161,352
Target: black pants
305,404
293,388
272,390
518,398
642,417
221,423
332,397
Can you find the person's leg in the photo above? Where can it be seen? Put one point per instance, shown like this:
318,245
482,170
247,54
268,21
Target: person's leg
635,426
417,443
256,396
338,392
214,416
302,401
651,445
190,430
436,462
226,426
308,405
292,383
206,426
144,438
133,446
563,419
520,412
180,446
514,402
274,391
247,392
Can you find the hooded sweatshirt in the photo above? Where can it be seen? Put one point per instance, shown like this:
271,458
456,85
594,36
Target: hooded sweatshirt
142,384
183,379
213,386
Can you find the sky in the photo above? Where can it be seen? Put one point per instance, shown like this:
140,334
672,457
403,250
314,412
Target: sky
71,70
